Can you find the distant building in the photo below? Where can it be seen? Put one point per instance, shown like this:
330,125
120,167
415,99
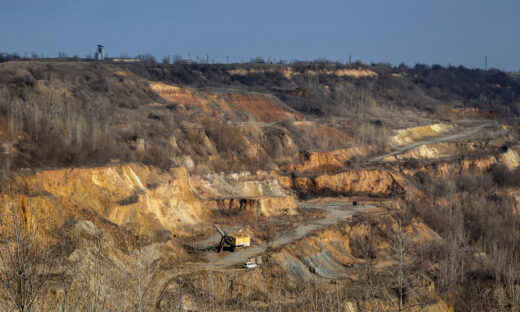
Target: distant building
100,54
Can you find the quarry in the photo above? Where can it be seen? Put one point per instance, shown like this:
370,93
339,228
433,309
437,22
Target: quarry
148,187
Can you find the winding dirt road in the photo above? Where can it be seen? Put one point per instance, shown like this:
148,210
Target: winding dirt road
337,212
450,137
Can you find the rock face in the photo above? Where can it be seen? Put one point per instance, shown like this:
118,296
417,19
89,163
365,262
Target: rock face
371,182
264,206
329,161
41,209
127,195
136,196
260,194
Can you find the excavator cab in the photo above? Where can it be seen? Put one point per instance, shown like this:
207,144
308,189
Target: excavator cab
235,241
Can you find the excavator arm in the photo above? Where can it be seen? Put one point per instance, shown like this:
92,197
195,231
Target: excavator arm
220,230
223,239
221,245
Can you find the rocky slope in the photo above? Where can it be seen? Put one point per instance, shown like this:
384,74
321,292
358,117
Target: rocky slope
357,184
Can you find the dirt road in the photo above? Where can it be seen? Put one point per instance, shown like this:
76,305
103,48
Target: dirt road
337,212
450,137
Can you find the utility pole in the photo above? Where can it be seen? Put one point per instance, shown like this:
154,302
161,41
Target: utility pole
207,58
227,59
486,62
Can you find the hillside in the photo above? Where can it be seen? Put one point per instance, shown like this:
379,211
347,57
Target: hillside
363,187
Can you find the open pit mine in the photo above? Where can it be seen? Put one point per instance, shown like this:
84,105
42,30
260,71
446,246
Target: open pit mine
258,187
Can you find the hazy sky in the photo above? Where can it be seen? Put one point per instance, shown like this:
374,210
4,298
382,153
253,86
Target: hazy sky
460,32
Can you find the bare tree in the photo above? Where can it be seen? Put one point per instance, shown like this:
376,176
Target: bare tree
25,258
401,248
404,275
373,281
143,268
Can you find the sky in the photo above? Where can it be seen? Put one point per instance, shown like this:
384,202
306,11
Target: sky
456,32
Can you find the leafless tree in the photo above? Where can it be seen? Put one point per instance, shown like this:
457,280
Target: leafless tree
25,258
143,269
401,248
404,275
374,280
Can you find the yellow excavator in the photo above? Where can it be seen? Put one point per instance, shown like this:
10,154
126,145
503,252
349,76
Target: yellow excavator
235,241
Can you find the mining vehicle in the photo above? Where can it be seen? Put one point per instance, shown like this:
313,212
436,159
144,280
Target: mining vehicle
235,241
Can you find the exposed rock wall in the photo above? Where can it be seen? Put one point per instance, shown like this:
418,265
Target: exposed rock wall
371,182
261,193
263,206
329,161
127,195
237,185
